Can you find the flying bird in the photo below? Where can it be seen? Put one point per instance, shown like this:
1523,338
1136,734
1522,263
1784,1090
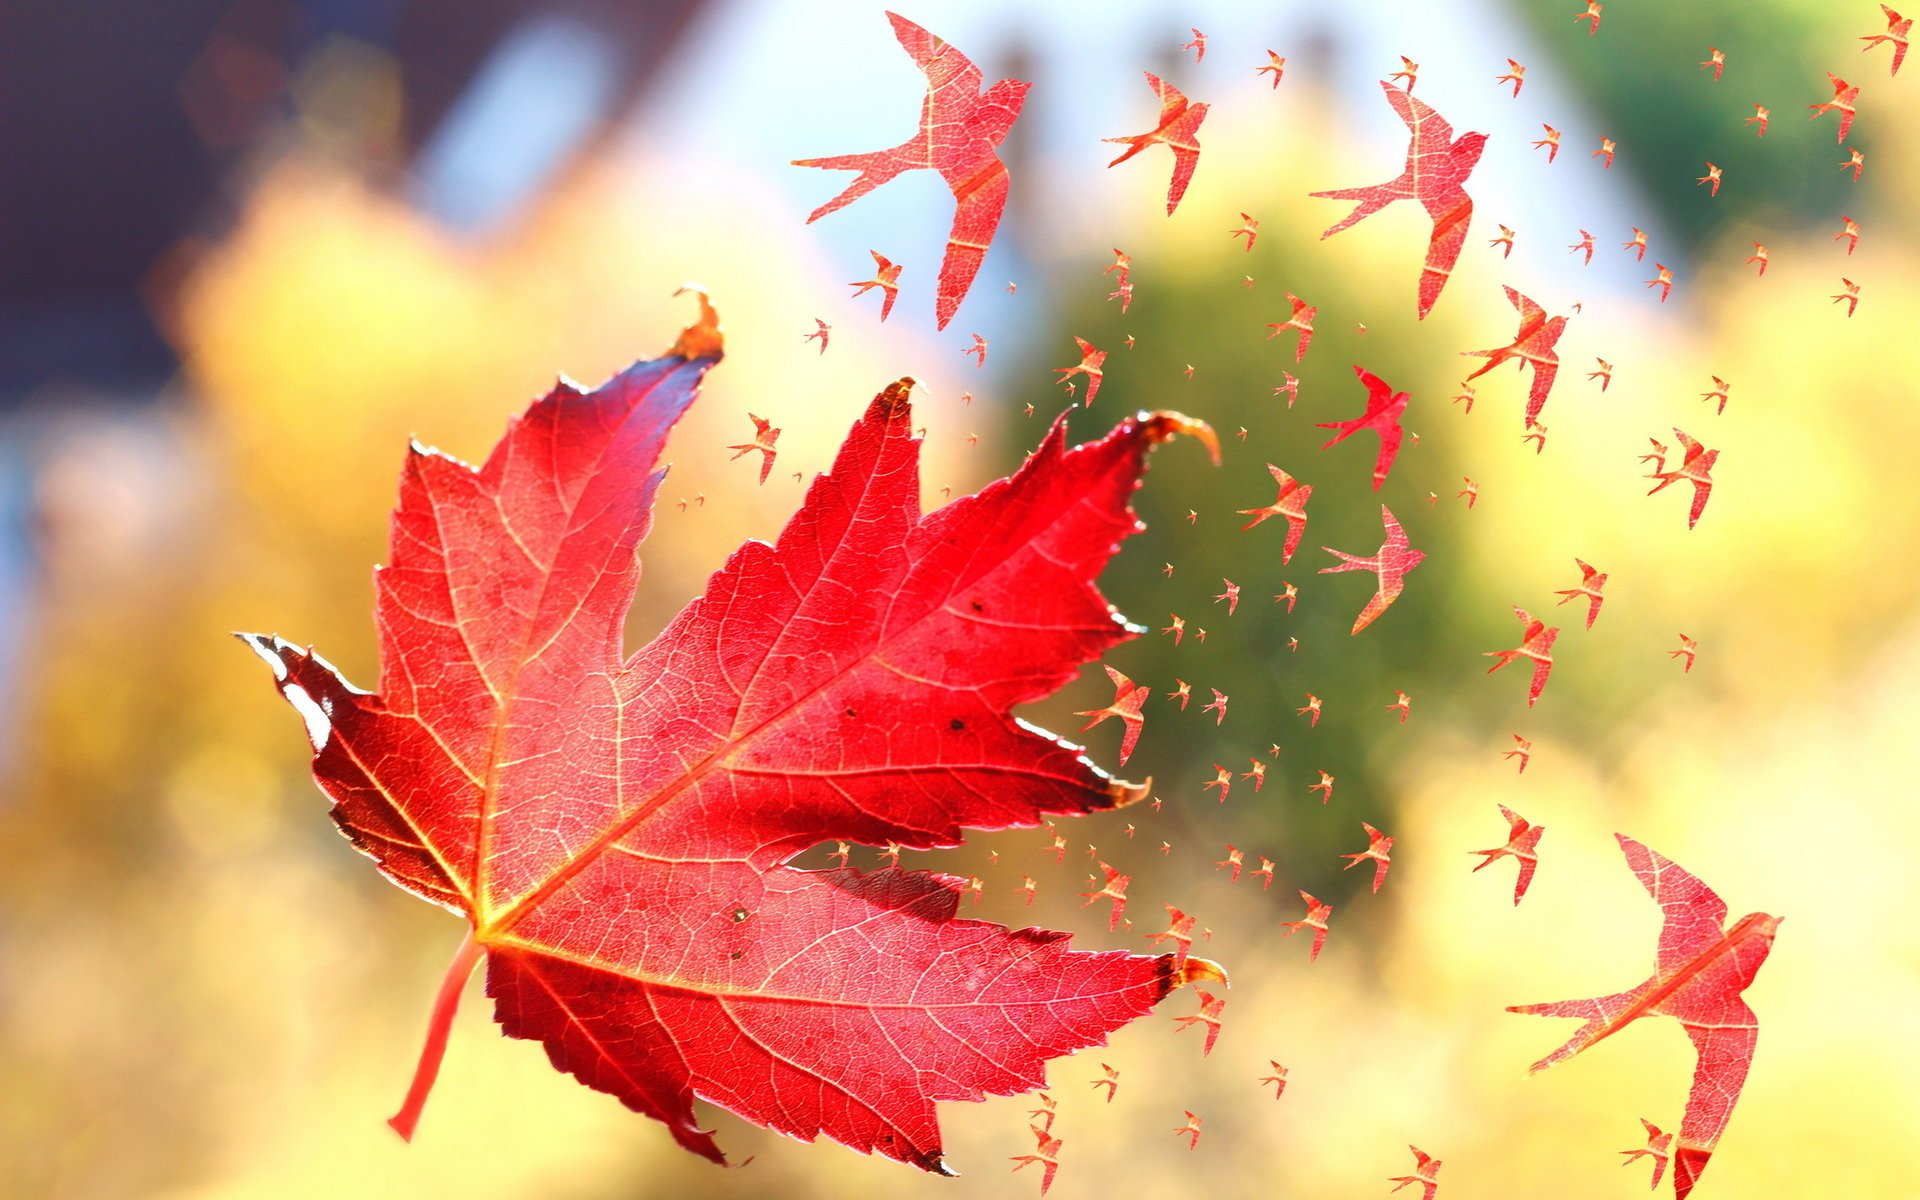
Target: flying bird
1389,565
1178,130
1851,295
1592,585
1536,645
1436,173
1128,696
1899,28
1316,920
1532,346
1695,468
1700,969
1523,844
1301,322
764,436
1844,96
1291,503
1378,852
1276,65
1090,365
960,130
886,277
1426,1166
1516,74
1385,407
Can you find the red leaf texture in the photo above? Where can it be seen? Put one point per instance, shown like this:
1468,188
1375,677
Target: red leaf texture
1389,565
1178,130
1385,407
960,129
1699,972
1532,346
1436,174
1291,503
616,828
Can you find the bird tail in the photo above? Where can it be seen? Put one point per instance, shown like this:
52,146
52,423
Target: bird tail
872,175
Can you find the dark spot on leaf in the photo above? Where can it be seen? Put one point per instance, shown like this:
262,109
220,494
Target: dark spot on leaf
956,724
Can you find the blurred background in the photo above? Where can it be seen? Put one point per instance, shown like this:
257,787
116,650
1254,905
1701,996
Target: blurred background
248,247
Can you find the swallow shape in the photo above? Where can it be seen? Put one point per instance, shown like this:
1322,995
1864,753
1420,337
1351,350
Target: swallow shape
1379,852
1532,346
1291,503
1436,173
1390,565
1047,1154
1523,845
1845,96
1209,1016
1536,645
1385,407
764,437
1316,920
1658,1148
1426,1167
1301,322
961,129
1695,468
1700,970
1899,29
1091,365
1592,586
1178,131
1128,696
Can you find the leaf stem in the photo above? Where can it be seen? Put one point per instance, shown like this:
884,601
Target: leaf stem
439,1026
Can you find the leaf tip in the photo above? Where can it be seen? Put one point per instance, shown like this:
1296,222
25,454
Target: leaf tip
1164,426
1195,970
895,400
703,338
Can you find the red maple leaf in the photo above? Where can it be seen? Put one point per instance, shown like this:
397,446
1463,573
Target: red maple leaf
1389,564
1532,346
1384,410
616,829
1178,130
1699,972
1436,173
960,130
